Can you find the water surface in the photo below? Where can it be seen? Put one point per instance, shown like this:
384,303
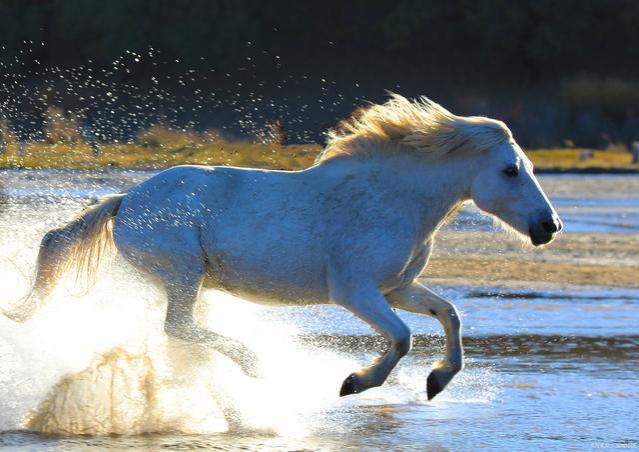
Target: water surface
545,368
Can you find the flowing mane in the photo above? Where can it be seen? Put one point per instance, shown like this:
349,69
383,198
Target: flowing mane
401,125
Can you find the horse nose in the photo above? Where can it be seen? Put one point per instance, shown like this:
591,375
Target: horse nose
552,226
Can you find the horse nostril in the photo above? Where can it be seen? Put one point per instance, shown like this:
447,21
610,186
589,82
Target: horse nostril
550,226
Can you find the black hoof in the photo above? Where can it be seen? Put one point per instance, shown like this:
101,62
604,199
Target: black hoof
433,386
349,386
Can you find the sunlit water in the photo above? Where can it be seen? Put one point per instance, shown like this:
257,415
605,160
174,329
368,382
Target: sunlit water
545,368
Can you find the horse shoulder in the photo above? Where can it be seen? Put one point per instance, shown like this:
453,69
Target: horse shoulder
387,252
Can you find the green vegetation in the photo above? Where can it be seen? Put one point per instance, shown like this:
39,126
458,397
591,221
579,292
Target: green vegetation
160,147
528,38
571,159
612,96
166,149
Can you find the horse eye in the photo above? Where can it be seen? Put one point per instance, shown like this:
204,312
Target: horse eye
511,171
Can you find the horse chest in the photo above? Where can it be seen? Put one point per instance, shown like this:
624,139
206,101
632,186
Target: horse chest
411,269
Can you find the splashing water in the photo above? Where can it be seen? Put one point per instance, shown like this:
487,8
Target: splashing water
105,103
101,364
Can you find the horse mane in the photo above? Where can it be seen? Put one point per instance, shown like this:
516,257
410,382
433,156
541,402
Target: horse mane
402,125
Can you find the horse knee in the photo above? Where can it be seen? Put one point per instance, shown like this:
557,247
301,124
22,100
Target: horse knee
404,342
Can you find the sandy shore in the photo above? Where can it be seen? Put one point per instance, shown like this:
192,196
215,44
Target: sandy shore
494,259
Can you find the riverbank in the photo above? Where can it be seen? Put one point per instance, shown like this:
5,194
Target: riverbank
495,260
160,148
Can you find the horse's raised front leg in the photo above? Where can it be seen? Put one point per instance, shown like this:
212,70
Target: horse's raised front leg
421,300
369,304
182,293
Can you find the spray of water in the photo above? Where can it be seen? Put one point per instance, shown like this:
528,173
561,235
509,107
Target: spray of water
101,364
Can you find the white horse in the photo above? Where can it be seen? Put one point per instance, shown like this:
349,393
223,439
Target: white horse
356,229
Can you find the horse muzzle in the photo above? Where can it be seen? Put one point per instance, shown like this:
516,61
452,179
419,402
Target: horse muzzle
544,231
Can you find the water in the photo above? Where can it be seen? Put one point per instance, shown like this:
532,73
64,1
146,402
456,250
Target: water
548,368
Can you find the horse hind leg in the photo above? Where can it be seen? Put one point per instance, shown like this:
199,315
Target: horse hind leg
180,324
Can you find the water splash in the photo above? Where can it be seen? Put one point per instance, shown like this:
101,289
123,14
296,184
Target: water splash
101,364
115,394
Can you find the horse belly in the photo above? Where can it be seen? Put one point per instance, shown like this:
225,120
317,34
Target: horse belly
267,284
267,293
282,267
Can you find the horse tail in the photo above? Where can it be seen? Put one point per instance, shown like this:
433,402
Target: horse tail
78,248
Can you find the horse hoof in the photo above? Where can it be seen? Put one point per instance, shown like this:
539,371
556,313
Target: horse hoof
349,386
433,385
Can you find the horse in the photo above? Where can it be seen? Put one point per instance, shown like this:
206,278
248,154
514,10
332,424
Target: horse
356,229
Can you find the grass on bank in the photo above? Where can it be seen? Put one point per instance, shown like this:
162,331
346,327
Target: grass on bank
566,159
159,148
132,156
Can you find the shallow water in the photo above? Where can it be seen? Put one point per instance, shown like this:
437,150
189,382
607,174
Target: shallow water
550,369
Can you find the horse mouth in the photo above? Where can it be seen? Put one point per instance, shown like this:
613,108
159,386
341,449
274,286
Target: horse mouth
539,237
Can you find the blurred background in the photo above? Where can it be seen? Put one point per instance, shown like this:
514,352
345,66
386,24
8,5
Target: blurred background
561,74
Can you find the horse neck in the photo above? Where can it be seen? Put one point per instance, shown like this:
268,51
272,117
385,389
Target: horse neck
430,191
441,188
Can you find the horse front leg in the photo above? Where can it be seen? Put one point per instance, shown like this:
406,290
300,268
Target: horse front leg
369,304
421,300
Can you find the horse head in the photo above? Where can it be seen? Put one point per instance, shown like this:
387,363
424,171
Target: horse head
504,185
495,172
